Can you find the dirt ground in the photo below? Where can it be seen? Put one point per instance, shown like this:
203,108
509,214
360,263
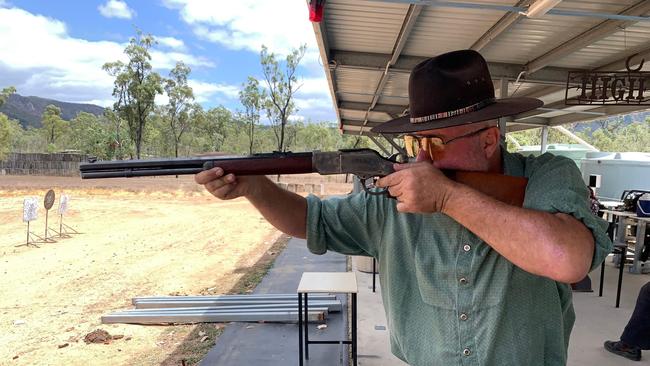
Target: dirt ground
137,237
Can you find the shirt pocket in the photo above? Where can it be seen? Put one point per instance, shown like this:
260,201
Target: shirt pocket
491,279
487,276
435,276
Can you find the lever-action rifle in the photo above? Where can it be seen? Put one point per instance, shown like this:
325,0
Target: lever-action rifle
366,164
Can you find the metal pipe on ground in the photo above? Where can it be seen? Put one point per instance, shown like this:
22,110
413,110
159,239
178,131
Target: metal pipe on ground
212,311
233,297
189,304
333,306
285,317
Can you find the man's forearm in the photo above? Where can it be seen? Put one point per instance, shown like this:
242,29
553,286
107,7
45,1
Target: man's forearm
552,245
285,210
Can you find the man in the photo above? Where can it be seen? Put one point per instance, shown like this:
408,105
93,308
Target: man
636,335
466,279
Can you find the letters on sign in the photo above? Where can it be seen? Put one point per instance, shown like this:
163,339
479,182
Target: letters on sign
631,87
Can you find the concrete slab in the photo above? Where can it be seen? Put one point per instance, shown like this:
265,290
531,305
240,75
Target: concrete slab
272,344
373,338
598,320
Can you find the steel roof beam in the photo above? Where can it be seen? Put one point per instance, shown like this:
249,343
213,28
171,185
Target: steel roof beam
391,110
354,122
377,62
407,25
324,50
618,65
499,27
372,61
587,38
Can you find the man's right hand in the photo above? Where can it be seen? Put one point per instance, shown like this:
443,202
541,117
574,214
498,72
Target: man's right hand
227,186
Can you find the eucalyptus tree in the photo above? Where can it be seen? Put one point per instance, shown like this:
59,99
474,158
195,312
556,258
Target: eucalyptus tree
136,86
54,126
5,93
281,84
181,97
252,97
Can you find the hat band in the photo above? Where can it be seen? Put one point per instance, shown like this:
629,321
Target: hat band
441,115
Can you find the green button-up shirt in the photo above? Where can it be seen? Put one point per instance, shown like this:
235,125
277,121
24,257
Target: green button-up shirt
451,299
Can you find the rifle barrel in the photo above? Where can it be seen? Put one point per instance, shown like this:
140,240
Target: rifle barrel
258,164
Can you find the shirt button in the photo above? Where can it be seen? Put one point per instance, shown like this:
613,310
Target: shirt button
467,352
467,247
462,280
463,316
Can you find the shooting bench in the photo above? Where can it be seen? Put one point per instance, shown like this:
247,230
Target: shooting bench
326,282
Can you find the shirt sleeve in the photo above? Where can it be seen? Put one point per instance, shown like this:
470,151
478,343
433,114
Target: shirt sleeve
349,225
555,185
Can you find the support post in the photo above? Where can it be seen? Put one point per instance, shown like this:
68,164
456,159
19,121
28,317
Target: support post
503,93
544,139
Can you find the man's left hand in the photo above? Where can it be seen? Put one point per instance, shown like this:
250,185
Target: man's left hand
418,187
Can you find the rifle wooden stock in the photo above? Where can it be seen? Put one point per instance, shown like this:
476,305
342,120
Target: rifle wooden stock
505,188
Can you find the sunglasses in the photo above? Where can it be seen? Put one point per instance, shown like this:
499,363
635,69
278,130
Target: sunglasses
413,143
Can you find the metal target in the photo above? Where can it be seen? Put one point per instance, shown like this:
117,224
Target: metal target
48,202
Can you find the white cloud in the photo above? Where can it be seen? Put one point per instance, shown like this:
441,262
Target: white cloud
45,61
116,9
281,25
204,92
171,42
314,86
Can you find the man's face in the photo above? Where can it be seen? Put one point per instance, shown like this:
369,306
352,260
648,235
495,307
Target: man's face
464,153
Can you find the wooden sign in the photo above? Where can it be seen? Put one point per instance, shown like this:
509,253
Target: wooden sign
631,87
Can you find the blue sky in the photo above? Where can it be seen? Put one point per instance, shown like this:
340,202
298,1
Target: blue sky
55,49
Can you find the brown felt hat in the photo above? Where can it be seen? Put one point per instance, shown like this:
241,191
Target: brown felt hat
453,89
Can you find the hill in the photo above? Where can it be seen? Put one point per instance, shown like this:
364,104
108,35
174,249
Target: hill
28,110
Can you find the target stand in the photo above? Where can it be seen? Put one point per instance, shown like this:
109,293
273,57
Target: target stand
30,213
65,231
48,202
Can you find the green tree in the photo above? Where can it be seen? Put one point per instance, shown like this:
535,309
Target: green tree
10,131
120,144
5,93
53,125
136,86
281,82
180,102
252,98
213,128
92,135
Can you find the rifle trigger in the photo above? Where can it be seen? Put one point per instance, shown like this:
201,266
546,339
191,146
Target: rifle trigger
371,192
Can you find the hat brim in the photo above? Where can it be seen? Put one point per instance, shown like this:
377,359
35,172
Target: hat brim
501,108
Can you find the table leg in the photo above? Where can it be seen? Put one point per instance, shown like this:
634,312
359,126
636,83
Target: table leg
374,272
637,267
602,276
620,275
300,328
306,328
354,329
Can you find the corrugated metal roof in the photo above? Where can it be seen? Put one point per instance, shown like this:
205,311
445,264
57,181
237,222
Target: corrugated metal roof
369,33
